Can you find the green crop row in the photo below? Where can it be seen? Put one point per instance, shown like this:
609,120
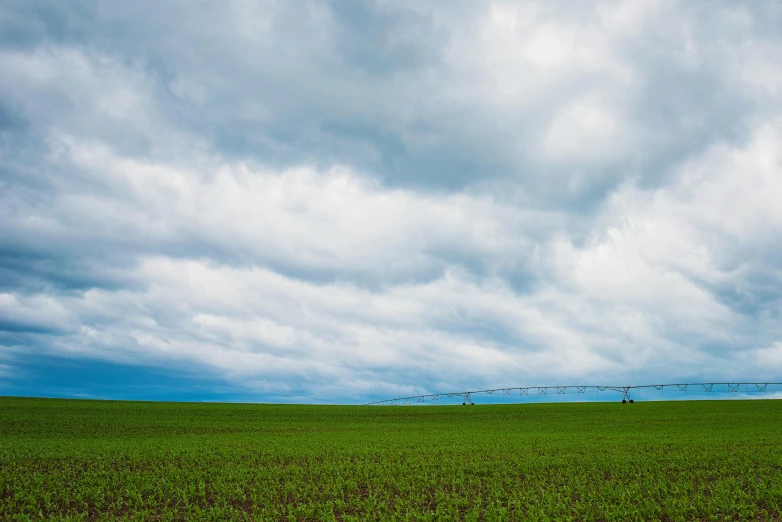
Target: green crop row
91,460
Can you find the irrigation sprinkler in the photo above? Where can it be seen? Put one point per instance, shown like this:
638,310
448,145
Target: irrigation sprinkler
626,392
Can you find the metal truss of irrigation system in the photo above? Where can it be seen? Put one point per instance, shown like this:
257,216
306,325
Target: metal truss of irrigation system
625,391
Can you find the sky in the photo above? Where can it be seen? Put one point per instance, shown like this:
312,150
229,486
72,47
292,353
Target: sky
346,201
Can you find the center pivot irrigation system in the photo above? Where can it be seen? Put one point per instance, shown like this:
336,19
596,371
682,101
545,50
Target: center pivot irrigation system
626,391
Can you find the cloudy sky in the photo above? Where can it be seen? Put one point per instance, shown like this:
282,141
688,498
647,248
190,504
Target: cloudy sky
344,201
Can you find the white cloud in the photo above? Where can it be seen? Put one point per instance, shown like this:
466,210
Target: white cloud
638,294
36,312
765,361
507,195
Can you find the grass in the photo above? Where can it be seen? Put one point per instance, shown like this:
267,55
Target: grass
94,460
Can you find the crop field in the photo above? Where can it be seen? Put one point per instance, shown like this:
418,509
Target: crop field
95,460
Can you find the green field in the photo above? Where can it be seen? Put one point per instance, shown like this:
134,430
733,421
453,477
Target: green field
77,460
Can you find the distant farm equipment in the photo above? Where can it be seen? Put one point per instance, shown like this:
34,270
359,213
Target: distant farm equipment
627,392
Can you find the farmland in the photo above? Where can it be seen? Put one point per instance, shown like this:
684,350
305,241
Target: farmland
93,460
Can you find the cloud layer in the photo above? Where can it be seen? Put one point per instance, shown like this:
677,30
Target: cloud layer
344,201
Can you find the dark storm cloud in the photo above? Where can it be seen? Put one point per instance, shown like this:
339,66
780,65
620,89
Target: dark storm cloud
372,85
